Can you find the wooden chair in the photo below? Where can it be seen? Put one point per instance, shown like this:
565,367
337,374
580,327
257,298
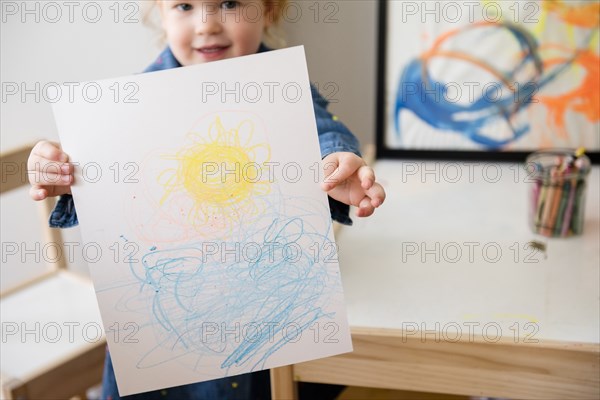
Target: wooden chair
53,345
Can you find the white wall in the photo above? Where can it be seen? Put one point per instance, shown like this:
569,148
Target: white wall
339,37
340,40
36,52
43,43
42,52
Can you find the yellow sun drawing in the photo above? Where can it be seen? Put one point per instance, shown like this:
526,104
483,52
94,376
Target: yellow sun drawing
221,173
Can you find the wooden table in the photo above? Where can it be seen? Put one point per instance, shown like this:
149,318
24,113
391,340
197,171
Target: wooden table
445,293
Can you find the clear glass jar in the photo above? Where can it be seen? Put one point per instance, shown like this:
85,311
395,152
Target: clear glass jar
557,193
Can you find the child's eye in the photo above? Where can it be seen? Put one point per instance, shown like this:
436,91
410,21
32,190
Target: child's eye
183,7
228,5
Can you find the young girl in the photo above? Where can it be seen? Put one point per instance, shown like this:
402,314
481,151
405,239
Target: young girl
199,31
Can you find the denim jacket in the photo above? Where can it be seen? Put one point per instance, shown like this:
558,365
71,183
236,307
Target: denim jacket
333,137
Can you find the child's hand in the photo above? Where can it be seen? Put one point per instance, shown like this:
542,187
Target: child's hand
49,172
350,180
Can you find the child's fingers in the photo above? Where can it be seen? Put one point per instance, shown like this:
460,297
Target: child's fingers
43,172
38,193
46,165
49,178
376,194
330,169
331,180
47,158
50,151
346,167
366,176
365,208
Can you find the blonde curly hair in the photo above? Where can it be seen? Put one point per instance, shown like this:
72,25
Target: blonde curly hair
273,36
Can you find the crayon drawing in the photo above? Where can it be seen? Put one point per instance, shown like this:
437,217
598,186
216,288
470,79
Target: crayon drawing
217,179
496,76
216,254
221,174
251,277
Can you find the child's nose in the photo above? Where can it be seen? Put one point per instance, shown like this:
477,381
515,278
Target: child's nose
208,23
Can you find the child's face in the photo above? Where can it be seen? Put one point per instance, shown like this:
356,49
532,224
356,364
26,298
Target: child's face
200,31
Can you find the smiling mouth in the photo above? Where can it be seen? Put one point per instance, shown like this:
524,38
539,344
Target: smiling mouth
212,49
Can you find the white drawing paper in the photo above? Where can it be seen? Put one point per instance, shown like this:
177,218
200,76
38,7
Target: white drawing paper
207,235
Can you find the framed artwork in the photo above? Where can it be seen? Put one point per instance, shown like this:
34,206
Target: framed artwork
487,80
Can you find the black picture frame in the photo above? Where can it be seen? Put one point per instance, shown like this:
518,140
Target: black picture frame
385,152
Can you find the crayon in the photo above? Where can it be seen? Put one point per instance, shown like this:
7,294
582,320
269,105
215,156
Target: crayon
577,217
557,195
558,190
564,198
544,226
569,208
540,205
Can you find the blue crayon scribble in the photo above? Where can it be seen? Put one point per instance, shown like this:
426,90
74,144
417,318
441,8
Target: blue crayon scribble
238,301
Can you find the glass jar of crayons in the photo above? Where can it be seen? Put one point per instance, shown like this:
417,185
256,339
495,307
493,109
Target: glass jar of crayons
557,193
